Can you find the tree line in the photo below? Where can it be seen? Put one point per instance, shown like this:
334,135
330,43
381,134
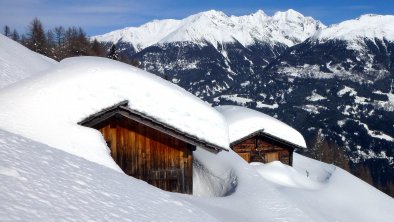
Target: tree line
59,43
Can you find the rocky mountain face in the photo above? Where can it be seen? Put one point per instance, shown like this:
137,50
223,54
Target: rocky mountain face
209,52
334,84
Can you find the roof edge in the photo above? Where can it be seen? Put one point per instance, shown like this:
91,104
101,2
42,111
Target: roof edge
270,136
123,109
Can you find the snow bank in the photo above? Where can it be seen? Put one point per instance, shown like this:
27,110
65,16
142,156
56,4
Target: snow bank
247,195
40,183
48,107
18,62
243,122
285,175
328,193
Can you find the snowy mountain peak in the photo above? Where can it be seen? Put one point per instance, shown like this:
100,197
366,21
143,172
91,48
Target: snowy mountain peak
259,13
215,27
367,26
211,14
288,15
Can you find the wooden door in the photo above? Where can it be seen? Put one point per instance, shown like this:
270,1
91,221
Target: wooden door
272,156
245,156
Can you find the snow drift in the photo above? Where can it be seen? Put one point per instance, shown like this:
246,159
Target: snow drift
41,183
48,107
18,62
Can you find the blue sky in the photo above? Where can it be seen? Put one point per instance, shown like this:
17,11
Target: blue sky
101,16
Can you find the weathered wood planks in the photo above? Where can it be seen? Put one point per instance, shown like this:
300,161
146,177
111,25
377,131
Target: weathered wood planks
261,149
148,154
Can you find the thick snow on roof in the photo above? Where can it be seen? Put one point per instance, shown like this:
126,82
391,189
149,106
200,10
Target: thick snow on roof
48,107
243,122
18,62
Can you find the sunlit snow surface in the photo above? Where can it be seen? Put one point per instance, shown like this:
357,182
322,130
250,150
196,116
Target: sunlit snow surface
17,62
40,183
243,121
215,27
48,107
366,26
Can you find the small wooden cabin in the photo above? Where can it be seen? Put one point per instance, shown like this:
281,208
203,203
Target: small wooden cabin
264,148
147,149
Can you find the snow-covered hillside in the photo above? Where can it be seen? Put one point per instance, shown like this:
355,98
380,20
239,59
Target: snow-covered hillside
215,27
17,62
366,26
41,183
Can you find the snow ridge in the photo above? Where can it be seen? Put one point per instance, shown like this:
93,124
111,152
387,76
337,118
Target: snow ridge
215,27
17,62
366,26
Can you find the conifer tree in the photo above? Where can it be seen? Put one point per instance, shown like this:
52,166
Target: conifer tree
36,39
97,48
59,33
113,54
51,48
7,31
328,152
15,35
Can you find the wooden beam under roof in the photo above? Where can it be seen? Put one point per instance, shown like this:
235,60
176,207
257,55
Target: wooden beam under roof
122,109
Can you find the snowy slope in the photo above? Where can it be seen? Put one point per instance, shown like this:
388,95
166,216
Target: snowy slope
328,193
215,27
143,36
41,183
76,88
17,62
243,122
366,26
357,32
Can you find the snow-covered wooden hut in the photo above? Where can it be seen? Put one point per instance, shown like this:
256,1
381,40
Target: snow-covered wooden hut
98,108
257,137
148,149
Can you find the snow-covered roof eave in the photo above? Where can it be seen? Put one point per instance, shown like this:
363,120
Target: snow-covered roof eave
243,122
123,109
268,135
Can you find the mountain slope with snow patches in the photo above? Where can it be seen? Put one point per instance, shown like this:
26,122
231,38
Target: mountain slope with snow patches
17,62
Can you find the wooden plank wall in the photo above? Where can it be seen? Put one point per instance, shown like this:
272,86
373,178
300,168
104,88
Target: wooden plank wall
261,150
149,155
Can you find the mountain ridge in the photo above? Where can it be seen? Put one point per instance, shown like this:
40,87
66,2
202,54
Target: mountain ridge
282,27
